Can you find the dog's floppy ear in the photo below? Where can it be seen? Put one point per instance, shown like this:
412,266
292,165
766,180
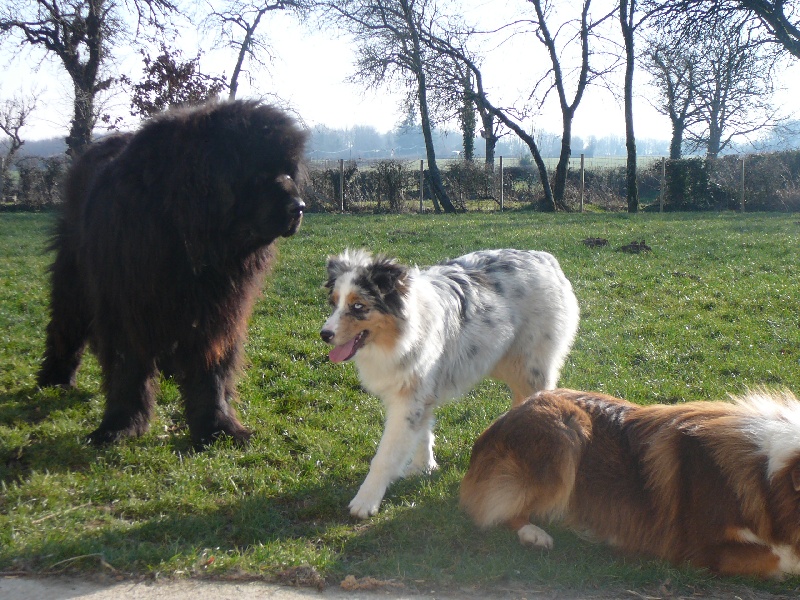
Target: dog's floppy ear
336,266
388,276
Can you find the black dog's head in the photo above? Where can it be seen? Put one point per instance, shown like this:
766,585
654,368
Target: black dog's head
227,174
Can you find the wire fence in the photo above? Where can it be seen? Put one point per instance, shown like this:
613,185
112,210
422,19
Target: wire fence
756,181
744,182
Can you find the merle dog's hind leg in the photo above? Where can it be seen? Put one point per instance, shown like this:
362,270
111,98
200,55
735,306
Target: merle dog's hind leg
130,386
68,329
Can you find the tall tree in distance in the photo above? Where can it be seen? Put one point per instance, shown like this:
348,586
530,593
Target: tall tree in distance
672,63
716,77
81,35
387,33
14,115
558,79
735,84
627,11
238,25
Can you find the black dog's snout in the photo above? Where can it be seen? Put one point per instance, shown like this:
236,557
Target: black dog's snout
297,207
326,335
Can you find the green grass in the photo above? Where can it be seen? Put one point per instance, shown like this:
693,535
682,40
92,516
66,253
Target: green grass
712,309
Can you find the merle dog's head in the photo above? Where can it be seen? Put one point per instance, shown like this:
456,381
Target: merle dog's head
367,295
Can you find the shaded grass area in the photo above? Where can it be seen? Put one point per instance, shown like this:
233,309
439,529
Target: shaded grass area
711,309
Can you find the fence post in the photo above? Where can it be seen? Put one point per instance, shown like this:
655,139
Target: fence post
743,183
341,184
663,184
583,180
421,185
502,197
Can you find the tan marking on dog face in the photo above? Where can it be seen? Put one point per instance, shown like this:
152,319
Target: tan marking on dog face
357,314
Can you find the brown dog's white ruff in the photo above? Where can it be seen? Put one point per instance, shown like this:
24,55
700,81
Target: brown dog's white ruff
711,484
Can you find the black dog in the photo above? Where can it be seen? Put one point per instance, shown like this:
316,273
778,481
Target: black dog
161,251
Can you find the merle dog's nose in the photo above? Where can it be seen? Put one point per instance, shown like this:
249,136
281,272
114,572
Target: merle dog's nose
326,335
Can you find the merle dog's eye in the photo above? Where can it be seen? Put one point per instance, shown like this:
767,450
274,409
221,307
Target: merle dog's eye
358,306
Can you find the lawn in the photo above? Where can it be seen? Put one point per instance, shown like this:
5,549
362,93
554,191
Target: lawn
712,308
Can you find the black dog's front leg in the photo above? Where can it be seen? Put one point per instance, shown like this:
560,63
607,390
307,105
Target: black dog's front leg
130,387
208,394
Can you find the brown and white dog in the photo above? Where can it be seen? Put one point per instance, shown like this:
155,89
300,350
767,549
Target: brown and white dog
711,484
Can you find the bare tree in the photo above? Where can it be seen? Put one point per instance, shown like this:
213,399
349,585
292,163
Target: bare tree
780,19
734,86
557,78
673,66
81,34
14,115
389,49
627,20
237,24
448,47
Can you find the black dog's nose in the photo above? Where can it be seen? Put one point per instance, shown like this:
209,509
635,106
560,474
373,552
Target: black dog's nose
297,207
326,335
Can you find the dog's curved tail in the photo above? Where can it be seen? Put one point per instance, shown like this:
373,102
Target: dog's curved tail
525,463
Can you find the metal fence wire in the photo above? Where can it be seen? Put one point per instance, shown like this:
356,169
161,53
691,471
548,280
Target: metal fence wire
763,182
754,182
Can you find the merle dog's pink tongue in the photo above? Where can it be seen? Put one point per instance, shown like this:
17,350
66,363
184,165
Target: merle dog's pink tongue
343,352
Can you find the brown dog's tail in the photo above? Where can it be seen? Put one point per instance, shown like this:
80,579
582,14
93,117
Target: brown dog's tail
525,463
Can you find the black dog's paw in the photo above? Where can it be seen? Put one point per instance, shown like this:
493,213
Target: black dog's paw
103,437
56,378
239,434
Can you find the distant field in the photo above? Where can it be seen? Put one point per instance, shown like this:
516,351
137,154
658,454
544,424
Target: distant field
711,309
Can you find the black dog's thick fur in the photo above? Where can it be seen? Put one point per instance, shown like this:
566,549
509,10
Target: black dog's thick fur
161,251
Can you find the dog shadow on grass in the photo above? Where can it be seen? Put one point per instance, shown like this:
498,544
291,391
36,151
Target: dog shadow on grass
26,410
418,541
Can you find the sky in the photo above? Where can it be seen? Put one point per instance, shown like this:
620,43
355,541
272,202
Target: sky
310,70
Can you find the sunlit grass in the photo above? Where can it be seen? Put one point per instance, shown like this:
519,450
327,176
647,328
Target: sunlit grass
710,310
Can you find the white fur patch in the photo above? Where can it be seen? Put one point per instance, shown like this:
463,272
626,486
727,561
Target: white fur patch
773,420
532,535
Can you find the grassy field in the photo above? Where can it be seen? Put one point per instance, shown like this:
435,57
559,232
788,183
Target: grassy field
713,308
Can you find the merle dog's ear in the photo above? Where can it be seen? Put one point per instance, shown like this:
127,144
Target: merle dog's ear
336,266
388,276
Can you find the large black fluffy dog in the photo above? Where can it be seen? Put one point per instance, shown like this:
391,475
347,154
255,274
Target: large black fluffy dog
161,251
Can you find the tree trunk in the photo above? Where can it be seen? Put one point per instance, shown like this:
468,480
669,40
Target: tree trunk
82,124
676,142
437,187
487,132
560,181
714,137
626,12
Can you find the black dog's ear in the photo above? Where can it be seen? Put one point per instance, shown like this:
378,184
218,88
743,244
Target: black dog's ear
388,276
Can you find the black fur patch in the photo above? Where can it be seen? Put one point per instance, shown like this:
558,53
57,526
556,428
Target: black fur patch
384,283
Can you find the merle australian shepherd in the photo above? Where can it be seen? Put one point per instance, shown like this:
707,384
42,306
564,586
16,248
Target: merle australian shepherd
162,248
420,337
711,484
